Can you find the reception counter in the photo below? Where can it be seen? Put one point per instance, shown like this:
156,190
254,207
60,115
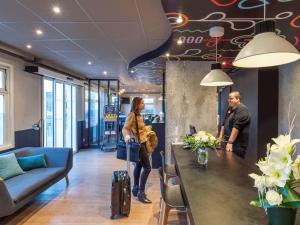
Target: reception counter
220,194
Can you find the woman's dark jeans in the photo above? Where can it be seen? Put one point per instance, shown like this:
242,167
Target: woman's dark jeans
140,180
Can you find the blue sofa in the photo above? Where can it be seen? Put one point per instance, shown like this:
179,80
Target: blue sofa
18,191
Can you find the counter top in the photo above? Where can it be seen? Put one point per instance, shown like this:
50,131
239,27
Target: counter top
220,194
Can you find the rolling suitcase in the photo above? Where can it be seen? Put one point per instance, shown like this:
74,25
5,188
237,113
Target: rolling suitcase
121,190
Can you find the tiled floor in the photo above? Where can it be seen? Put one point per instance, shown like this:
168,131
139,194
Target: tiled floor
87,199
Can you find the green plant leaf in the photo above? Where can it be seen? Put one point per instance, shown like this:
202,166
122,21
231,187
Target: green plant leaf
262,204
290,197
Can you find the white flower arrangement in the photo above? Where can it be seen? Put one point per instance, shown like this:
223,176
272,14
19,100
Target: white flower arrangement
280,174
202,139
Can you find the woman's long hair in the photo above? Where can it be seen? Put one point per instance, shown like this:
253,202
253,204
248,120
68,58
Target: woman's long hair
135,104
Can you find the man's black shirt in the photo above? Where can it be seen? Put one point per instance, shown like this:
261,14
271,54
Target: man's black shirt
238,118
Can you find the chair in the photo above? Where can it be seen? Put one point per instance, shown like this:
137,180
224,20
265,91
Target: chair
171,199
192,130
169,170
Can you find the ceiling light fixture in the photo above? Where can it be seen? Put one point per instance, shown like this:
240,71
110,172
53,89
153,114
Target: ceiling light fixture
216,77
167,54
89,62
105,72
28,46
179,20
122,91
266,48
56,9
179,42
38,31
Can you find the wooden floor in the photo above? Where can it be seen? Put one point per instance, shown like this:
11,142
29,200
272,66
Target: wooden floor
87,199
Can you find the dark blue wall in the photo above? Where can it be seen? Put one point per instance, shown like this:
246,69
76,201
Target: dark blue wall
27,138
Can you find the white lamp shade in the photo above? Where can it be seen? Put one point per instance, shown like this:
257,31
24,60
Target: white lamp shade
216,78
265,50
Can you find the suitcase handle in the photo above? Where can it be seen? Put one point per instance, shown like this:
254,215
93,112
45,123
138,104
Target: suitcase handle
128,158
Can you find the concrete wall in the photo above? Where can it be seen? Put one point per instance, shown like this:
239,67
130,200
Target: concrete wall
187,102
289,83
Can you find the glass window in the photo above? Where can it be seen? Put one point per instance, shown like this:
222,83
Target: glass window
59,104
74,119
59,115
149,106
148,100
6,135
94,115
114,100
2,79
149,109
48,113
2,124
68,116
86,106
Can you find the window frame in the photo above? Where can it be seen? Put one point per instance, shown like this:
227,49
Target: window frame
8,92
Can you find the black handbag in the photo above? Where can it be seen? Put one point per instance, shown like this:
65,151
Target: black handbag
134,147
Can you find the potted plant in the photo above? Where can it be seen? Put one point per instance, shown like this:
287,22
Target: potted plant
201,143
280,176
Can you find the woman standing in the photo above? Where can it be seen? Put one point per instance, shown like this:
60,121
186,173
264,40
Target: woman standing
140,135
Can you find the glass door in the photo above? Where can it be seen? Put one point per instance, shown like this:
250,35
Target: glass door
68,115
48,111
102,113
93,114
74,119
59,114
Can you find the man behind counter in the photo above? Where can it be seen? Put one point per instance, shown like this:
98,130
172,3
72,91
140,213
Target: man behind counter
235,128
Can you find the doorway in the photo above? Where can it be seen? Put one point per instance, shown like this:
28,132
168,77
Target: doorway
102,113
59,114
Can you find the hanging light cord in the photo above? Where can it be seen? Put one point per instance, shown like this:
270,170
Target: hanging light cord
216,50
264,10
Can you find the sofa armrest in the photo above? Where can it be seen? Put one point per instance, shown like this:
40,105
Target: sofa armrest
6,202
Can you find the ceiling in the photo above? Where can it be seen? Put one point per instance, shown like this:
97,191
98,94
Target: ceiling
238,17
107,33
113,33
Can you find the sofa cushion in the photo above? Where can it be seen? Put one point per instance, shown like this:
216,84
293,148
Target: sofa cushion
32,162
9,166
21,186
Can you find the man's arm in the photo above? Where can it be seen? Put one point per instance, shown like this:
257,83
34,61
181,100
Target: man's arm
221,132
233,135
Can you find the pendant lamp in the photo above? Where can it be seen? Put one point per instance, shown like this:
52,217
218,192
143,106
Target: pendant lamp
216,77
266,48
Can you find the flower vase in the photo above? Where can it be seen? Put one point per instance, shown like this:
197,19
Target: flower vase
202,156
281,216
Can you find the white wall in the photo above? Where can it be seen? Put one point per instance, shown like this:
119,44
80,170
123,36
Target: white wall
27,94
